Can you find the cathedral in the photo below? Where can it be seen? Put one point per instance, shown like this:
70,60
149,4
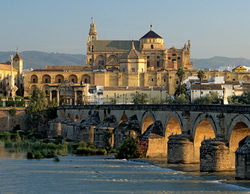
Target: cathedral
117,69
139,56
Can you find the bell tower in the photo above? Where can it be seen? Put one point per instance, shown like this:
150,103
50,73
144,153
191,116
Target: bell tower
18,65
92,31
90,45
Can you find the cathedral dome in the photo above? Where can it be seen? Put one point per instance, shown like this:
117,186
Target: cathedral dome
151,34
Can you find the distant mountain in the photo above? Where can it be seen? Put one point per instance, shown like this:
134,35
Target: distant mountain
37,59
220,63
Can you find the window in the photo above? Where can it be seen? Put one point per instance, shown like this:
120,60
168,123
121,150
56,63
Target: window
101,62
173,54
158,63
59,80
152,80
92,48
133,69
148,63
147,57
89,48
177,82
173,60
164,80
179,58
152,46
158,57
34,80
46,80
169,58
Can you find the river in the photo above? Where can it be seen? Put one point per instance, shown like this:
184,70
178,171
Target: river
104,174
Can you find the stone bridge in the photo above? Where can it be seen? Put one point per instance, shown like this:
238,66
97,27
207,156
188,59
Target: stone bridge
209,134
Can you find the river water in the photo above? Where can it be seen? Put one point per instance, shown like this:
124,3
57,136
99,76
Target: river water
104,174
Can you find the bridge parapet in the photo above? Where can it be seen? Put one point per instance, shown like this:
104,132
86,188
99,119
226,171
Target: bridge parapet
243,109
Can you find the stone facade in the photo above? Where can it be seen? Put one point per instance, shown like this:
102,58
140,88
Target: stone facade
6,70
9,122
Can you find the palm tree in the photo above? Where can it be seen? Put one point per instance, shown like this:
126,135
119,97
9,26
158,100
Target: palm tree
180,73
201,75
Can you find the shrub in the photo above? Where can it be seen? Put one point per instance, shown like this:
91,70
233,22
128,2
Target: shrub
128,149
12,112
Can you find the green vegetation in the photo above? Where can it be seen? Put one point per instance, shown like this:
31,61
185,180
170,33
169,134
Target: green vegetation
39,110
38,147
201,76
212,98
132,148
243,99
12,112
139,98
180,73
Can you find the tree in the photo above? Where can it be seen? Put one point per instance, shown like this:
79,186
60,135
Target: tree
243,99
212,98
139,98
39,110
181,99
181,90
180,73
201,76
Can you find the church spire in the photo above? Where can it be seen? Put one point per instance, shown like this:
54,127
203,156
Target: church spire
92,31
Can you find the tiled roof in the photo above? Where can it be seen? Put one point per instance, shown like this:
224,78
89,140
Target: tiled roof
206,87
114,45
132,54
151,34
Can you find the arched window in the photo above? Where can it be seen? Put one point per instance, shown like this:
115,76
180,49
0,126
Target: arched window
59,79
46,79
34,79
73,78
86,79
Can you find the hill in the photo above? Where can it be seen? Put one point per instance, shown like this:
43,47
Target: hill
220,63
37,60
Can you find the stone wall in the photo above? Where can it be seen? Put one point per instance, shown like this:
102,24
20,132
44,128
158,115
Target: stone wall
8,122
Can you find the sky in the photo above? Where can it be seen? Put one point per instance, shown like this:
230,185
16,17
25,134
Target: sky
214,27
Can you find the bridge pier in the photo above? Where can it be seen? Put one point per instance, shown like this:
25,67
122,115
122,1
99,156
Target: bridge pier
157,146
215,156
180,149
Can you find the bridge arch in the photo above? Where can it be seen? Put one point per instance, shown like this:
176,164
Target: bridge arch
238,130
204,128
173,124
76,118
148,119
124,117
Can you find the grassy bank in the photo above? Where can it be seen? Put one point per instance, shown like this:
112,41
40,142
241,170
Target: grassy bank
38,146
